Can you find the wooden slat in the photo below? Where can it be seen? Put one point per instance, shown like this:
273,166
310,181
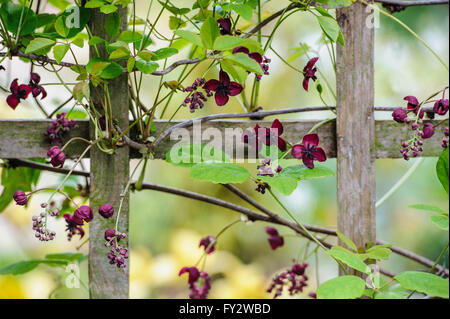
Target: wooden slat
355,126
24,138
109,176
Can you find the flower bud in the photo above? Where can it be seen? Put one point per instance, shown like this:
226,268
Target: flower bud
20,198
106,210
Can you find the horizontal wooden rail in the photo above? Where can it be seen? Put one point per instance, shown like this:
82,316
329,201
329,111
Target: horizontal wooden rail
25,139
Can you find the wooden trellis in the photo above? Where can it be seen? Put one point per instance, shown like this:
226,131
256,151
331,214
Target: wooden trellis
355,139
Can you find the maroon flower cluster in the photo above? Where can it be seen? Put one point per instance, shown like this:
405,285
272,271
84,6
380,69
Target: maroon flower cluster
413,147
22,91
199,282
264,135
118,254
223,88
197,99
294,278
59,128
275,240
308,151
261,186
76,220
39,227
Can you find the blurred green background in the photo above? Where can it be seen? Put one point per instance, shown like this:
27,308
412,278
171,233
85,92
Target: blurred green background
165,230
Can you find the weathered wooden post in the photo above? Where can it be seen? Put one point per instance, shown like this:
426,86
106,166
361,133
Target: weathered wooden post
355,125
109,176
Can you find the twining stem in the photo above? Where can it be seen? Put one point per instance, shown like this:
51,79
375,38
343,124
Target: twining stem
400,182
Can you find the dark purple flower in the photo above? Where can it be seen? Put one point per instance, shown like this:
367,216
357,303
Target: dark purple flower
254,55
414,105
57,157
20,198
209,244
268,136
199,282
73,224
292,278
309,71
18,92
106,210
85,213
225,26
110,233
441,107
223,88
59,128
308,151
275,240
36,89
427,131
399,115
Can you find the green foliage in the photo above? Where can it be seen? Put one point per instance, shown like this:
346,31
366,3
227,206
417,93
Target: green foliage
442,169
344,287
209,33
104,68
18,17
39,44
14,179
330,27
146,67
347,241
349,258
112,24
220,173
189,155
429,284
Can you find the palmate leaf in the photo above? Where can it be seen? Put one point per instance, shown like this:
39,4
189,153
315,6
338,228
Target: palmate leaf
429,284
220,173
344,287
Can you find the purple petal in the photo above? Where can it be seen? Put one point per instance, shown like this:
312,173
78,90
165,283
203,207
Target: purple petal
235,88
297,151
311,139
320,155
221,100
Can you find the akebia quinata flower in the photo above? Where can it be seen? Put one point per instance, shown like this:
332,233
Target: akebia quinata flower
441,107
199,282
262,61
106,210
309,72
18,92
57,157
414,105
275,240
309,151
264,135
84,213
73,224
427,131
400,115
223,88
36,89
20,198
208,243
294,278
225,26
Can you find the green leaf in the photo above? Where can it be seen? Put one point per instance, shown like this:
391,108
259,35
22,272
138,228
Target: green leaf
110,8
349,259
44,19
14,179
236,72
378,253
61,28
209,33
244,61
65,256
94,4
59,51
302,172
440,221
119,53
164,53
391,295
227,42
174,10
429,284
11,13
429,208
95,40
39,44
18,268
220,173
112,24
442,169
189,36
130,36
176,23
347,241
147,67
72,21
284,184
344,287
111,71
243,10
330,27
189,155
130,64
